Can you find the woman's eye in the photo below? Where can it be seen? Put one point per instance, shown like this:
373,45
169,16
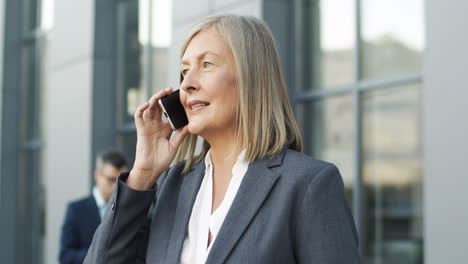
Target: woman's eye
183,72
206,64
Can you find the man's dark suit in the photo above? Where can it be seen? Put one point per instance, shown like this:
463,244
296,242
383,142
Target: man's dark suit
81,220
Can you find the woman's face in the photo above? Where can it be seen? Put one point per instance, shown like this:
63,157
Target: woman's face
208,90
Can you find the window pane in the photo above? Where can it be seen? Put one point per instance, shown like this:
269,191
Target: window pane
393,37
392,176
161,35
155,33
130,91
328,132
325,43
47,14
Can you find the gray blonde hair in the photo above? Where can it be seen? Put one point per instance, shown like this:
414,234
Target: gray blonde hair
265,121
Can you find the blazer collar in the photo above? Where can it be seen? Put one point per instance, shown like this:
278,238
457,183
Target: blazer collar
187,194
255,187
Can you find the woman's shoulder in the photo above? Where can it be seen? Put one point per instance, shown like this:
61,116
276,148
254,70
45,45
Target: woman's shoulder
299,167
302,161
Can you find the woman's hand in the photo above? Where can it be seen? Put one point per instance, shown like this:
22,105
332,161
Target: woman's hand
155,148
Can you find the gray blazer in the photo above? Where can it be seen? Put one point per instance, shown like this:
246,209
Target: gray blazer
289,209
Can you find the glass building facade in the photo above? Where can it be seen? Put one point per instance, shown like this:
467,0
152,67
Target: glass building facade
358,99
354,70
143,40
356,93
21,181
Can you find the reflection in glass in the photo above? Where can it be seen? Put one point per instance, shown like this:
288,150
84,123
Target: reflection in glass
160,69
325,43
328,131
129,63
155,22
392,176
392,37
47,14
144,36
161,35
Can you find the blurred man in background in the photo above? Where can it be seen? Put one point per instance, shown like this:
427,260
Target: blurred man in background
83,216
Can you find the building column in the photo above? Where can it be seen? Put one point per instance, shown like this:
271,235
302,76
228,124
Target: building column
446,132
68,114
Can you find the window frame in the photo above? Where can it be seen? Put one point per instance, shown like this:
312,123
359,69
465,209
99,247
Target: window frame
21,188
284,28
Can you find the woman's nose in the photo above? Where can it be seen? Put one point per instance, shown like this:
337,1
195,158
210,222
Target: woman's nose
190,82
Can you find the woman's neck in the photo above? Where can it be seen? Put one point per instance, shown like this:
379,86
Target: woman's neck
224,155
224,152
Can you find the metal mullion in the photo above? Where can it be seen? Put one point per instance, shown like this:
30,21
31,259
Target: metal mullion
31,145
10,223
38,49
317,94
147,53
358,150
35,150
145,70
150,50
357,194
372,85
361,86
106,88
30,37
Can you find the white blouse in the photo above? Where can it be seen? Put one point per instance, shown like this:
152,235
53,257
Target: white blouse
202,222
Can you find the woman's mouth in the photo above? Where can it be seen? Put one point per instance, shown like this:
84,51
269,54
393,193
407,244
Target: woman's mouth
196,105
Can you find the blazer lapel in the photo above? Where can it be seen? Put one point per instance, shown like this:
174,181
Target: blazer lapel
188,193
257,183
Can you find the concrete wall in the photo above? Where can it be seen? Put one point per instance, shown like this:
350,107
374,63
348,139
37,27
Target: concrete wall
446,132
67,124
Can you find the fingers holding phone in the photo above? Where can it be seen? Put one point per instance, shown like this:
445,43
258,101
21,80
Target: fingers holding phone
155,110
173,110
152,112
155,147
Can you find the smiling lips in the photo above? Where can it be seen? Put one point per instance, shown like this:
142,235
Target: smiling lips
197,105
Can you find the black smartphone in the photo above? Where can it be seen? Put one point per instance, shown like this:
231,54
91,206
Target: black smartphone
173,110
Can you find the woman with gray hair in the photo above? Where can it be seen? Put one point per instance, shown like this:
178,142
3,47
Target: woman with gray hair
249,196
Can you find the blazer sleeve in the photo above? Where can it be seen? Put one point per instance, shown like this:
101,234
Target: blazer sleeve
325,231
122,235
71,250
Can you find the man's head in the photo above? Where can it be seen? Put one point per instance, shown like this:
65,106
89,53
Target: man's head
108,167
